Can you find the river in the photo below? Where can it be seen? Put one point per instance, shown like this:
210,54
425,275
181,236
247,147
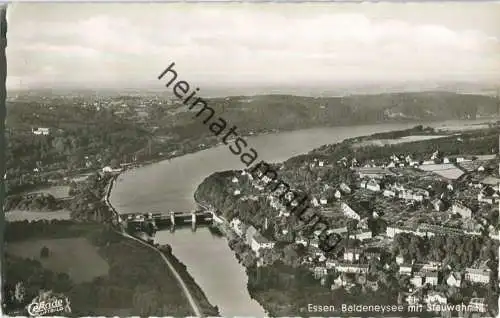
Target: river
169,185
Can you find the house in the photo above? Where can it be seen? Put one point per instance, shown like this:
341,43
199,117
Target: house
372,285
348,212
400,260
260,242
302,241
342,280
417,280
314,242
337,194
352,254
323,201
352,268
236,192
438,204
477,304
431,278
345,188
454,279
485,199
234,180
362,235
41,131
405,269
320,272
372,253
314,202
339,230
389,193
435,298
108,169
459,208
250,232
372,185
237,226
321,163
478,275
330,263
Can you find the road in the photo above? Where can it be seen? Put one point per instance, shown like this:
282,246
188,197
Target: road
182,284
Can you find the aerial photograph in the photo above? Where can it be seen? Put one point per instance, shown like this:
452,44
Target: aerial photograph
237,159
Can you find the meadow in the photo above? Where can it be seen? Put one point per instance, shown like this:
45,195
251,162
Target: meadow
75,256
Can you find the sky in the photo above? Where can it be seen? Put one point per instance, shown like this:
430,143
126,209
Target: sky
93,45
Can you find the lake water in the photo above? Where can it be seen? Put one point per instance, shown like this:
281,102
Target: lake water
170,185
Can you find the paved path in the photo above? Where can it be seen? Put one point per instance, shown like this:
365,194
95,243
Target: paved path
185,289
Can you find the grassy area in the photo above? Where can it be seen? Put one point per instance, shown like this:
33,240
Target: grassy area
75,256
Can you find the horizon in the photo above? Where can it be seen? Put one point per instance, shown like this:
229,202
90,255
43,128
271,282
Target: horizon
255,48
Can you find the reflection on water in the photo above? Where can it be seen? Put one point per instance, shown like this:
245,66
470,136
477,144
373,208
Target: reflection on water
218,273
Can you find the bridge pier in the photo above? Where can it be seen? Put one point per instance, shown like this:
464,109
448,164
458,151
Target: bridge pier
193,218
172,218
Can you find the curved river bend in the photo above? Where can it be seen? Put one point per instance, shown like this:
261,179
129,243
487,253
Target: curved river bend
170,185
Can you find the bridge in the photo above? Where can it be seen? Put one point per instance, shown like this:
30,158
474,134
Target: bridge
170,218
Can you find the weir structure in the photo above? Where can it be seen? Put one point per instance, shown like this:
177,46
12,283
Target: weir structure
154,221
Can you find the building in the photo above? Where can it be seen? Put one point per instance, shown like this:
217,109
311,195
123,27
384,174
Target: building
371,185
392,231
259,242
477,304
237,226
352,268
438,205
337,194
372,253
339,230
361,235
431,278
435,298
352,254
250,232
372,173
405,269
302,241
345,188
41,131
454,279
417,280
478,275
348,212
459,208
320,272
389,193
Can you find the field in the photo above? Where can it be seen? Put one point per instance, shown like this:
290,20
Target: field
446,170
75,256
56,191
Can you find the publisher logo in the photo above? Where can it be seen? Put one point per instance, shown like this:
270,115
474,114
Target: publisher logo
48,303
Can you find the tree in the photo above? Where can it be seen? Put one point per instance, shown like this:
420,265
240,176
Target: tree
44,252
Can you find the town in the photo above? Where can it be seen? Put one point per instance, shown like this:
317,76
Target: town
424,226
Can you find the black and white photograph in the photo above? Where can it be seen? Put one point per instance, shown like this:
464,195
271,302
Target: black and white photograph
239,159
